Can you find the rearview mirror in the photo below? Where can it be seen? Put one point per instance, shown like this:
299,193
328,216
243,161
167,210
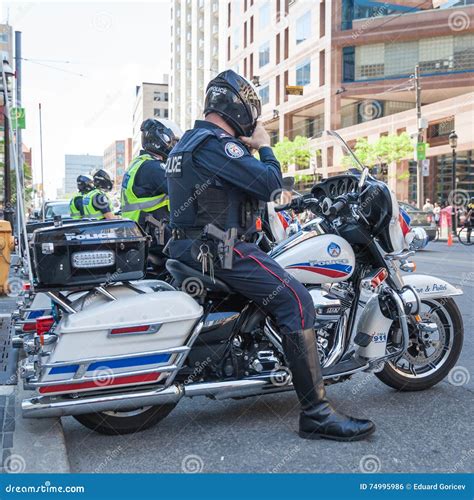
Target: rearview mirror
363,178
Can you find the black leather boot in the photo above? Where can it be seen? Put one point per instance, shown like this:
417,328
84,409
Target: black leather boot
318,419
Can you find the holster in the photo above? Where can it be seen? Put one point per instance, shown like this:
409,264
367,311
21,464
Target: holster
159,228
224,243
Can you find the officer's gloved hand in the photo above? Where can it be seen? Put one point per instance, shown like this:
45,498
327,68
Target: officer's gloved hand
258,139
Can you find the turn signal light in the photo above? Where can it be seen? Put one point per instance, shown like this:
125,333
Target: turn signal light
44,324
29,327
379,278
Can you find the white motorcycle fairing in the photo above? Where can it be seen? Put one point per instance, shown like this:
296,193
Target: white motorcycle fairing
132,340
430,287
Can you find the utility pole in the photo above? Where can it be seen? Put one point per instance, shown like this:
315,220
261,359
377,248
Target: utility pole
18,101
419,139
20,189
41,159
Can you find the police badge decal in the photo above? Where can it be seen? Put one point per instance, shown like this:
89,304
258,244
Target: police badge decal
233,150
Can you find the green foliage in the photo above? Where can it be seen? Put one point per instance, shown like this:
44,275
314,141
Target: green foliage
387,149
28,182
297,152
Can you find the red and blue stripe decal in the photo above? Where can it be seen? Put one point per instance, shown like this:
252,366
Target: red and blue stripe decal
111,379
152,359
330,270
405,220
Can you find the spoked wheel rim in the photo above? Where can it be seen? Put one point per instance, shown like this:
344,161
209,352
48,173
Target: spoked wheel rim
462,236
125,413
420,360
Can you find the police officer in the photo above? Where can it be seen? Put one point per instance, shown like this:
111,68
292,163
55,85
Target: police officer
213,178
85,184
144,186
96,203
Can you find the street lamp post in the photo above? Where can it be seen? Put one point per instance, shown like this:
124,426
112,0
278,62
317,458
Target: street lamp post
453,142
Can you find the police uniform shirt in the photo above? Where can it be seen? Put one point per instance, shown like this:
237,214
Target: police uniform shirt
150,180
101,203
226,161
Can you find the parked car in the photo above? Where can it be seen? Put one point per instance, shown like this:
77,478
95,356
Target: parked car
52,209
421,218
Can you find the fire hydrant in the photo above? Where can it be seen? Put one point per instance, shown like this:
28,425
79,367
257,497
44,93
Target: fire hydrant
7,245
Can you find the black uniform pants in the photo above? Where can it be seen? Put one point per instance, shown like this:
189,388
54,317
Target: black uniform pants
259,278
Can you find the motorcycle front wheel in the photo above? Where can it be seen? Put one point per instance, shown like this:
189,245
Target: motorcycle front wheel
125,422
424,364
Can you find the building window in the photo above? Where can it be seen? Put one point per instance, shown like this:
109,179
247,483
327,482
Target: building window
264,16
229,14
228,48
277,47
303,28
322,18
236,38
251,29
157,112
277,90
160,96
264,92
245,34
287,44
303,73
322,68
437,55
264,54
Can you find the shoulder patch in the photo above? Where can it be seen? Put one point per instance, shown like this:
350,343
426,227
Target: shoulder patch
233,150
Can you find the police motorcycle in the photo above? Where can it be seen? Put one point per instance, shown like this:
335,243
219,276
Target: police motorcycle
124,353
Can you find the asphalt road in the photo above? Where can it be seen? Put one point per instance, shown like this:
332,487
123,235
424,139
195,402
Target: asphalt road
429,431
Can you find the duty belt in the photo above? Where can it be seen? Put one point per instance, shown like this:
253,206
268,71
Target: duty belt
196,233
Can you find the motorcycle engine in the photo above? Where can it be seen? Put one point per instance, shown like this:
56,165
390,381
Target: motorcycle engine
330,303
252,354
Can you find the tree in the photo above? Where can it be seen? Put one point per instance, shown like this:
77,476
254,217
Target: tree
297,152
385,150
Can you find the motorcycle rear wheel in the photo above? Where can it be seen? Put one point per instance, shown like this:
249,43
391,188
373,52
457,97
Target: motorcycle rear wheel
125,422
419,377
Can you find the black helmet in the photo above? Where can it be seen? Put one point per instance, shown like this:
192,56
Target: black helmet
235,99
85,183
102,180
159,136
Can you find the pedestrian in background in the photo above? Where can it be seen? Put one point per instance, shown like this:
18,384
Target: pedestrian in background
428,206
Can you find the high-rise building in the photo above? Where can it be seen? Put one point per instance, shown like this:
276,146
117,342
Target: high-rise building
151,101
76,165
355,61
194,56
116,159
6,51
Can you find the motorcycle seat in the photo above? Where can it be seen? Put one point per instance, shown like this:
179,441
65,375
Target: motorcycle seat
181,272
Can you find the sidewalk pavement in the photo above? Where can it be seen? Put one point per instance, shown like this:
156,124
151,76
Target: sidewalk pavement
28,445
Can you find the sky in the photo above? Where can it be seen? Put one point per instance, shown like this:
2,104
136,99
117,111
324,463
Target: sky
114,45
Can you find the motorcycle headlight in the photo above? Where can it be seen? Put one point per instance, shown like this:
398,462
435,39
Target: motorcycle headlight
416,239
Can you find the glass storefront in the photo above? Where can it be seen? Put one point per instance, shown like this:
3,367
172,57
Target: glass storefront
438,185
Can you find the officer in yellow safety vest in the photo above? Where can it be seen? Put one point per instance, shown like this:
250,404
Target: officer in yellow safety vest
96,203
144,186
85,184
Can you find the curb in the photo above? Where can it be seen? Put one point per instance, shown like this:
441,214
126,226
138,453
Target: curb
39,445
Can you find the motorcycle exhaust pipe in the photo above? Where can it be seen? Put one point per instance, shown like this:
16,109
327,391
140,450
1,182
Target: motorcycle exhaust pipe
59,406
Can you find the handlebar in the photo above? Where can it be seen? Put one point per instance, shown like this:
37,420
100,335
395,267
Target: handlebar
335,208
